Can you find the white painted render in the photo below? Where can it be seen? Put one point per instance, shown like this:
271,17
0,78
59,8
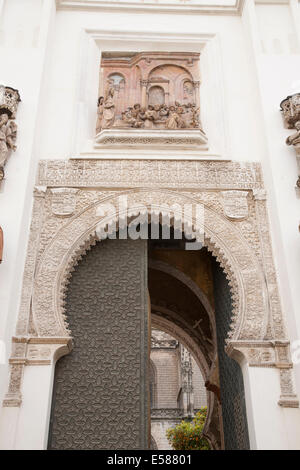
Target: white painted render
250,61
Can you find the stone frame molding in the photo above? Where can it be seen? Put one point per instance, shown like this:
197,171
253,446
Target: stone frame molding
239,240
202,8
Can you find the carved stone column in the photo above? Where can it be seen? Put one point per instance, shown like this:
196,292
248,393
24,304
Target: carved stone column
186,382
144,84
197,95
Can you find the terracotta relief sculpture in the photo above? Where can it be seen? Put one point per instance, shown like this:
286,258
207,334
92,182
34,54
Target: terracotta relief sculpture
150,91
99,114
9,100
109,107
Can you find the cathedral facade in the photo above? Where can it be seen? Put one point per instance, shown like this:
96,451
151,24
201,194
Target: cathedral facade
149,181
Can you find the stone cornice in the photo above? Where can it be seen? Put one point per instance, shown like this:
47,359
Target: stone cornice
182,8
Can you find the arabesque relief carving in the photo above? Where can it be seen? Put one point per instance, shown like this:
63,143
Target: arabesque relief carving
9,100
236,231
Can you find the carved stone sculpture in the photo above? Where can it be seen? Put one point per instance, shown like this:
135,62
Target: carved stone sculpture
294,139
290,108
99,114
178,116
9,100
109,108
8,135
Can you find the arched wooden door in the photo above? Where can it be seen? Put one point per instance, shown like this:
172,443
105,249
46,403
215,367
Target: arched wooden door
100,399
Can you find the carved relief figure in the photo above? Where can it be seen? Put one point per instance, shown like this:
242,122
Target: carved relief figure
132,117
294,139
188,91
136,114
117,81
290,108
109,107
163,113
149,117
99,114
8,135
173,119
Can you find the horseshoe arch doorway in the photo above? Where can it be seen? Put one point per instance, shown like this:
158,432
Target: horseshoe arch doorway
101,389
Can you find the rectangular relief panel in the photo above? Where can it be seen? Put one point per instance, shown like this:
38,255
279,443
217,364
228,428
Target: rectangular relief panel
100,398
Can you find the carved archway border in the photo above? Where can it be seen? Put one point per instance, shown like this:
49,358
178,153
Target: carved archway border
231,192
246,279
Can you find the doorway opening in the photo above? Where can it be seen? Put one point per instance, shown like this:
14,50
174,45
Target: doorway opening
177,386
104,389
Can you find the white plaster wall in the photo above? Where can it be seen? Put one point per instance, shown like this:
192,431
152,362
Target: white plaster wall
24,34
271,427
225,70
251,62
277,74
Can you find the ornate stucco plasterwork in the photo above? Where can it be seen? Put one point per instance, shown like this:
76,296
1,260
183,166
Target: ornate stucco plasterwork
63,201
28,350
181,174
235,204
237,234
113,138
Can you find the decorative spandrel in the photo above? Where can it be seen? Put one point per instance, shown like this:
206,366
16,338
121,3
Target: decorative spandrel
149,91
